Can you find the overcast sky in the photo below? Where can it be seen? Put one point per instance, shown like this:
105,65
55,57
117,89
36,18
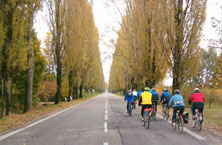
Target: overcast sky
106,22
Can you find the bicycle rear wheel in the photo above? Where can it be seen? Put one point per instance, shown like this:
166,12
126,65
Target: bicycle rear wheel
180,124
199,124
164,114
148,120
173,125
167,114
144,119
194,122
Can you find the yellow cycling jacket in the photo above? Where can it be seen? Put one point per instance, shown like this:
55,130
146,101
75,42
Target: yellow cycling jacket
146,98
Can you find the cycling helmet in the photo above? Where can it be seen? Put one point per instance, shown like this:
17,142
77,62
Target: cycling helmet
130,93
153,89
196,89
146,89
165,90
177,91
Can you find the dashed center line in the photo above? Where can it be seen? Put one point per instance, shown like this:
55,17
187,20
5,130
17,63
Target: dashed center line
105,122
106,117
105,126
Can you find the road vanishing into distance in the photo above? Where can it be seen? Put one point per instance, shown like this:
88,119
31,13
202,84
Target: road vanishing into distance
100,121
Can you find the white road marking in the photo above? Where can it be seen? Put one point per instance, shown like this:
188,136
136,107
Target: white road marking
105,128
106,117
40,121
33,124
197,136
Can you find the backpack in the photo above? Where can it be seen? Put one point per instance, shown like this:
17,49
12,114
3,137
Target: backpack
155,97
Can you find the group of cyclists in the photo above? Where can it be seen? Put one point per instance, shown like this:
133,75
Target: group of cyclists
148,97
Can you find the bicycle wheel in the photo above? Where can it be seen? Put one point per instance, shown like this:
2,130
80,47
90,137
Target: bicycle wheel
148,119
199,124
130,110
180,124
173,125
194,122
164,114
154,116
144,119
167,114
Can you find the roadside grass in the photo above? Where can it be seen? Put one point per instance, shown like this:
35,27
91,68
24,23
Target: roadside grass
17,120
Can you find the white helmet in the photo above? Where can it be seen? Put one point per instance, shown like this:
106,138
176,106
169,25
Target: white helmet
196,89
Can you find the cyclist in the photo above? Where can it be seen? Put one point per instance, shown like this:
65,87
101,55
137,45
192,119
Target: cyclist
197,99
145,100
165,97
139,94
135,97
178,101
155,97
129,97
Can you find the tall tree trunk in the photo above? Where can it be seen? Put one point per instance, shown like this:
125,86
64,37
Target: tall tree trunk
75,92
177,53
59,83
81,90
176,81
3,101
70,85
5,58
31,67
8,95
58,52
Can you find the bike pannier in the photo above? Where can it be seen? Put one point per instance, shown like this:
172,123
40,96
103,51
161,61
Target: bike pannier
186,117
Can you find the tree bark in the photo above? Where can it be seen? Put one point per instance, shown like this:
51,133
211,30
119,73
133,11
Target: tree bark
58,53
75,92
177,52
31,67
8,24
3,101
81,90
70,85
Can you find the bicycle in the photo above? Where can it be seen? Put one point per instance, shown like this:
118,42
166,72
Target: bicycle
179,122
165,112
130,108
134,103
147,117
197,120
154,109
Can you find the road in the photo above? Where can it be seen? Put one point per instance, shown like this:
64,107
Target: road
100,121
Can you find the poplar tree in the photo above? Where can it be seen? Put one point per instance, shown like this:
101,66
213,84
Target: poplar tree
32,7
13,50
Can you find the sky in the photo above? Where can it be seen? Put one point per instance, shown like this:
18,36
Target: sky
108,23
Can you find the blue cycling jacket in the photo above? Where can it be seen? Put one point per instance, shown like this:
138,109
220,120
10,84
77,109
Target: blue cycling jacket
165,94
177,100
139,93
154,93
128,98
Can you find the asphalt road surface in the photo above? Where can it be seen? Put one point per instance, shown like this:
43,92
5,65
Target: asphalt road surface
100,121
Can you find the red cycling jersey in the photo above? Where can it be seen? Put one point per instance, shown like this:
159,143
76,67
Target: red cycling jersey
197,97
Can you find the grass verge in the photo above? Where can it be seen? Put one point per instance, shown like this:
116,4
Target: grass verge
17,120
